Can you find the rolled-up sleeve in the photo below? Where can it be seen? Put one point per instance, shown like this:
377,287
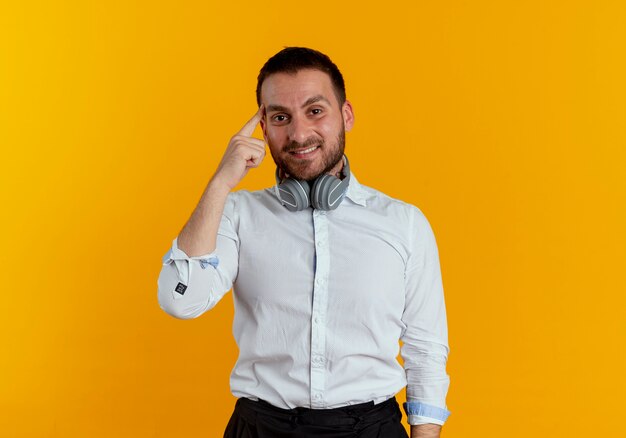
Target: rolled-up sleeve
425,339
189,286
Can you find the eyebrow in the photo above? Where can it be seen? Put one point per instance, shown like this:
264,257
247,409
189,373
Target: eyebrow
309,101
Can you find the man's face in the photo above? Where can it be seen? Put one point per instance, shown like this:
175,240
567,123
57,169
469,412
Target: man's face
304,125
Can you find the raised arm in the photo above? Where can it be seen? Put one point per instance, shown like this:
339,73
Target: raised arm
199,234
201,265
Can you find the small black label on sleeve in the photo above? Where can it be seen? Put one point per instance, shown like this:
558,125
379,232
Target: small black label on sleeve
181,288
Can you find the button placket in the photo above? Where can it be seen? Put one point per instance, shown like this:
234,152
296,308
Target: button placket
320,302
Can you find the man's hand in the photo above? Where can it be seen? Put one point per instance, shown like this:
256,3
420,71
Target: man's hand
426,431
242,153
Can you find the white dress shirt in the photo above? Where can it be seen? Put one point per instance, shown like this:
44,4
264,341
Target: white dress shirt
321,300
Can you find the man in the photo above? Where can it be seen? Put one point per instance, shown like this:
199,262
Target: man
327,274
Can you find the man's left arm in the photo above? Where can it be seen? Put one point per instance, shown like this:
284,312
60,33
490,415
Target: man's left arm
425,338
426,431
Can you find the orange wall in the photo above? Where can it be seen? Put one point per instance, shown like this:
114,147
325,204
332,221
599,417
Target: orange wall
503,121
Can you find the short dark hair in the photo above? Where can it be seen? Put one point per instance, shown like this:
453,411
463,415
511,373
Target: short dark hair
293,59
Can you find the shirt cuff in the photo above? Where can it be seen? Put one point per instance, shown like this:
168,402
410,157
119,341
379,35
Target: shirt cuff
421,413
181,260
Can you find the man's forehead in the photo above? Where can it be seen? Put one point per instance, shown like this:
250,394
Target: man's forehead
297,88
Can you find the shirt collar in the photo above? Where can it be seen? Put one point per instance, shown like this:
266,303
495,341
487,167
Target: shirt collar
355,192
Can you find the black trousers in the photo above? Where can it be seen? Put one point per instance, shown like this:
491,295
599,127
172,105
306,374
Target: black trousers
252,419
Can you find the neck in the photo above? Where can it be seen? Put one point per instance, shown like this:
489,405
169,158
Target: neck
336,171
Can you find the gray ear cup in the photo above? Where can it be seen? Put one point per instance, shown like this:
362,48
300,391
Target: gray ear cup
326,193
293,194
319,190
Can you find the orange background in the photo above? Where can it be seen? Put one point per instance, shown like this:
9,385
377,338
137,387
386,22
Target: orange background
504,122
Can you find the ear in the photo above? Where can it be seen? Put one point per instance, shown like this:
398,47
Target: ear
348,115
264,125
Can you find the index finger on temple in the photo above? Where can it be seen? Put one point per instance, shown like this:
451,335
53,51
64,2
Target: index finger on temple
248,128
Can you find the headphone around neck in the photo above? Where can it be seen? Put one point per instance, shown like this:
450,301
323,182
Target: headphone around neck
326,192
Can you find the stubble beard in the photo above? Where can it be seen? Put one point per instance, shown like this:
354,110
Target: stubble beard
328,163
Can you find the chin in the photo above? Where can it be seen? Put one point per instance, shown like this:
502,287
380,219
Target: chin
306,176
306,173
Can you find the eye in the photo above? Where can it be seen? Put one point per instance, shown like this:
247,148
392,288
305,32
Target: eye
279,118
316,111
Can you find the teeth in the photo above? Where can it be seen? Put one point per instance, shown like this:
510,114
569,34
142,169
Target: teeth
306,151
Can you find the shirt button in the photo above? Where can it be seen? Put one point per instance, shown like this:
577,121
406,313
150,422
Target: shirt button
317,396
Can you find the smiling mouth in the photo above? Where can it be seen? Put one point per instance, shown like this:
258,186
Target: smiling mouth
304,152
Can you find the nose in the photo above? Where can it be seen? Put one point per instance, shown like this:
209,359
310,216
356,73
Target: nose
299,129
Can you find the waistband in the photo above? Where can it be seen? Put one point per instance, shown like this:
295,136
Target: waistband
351,415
